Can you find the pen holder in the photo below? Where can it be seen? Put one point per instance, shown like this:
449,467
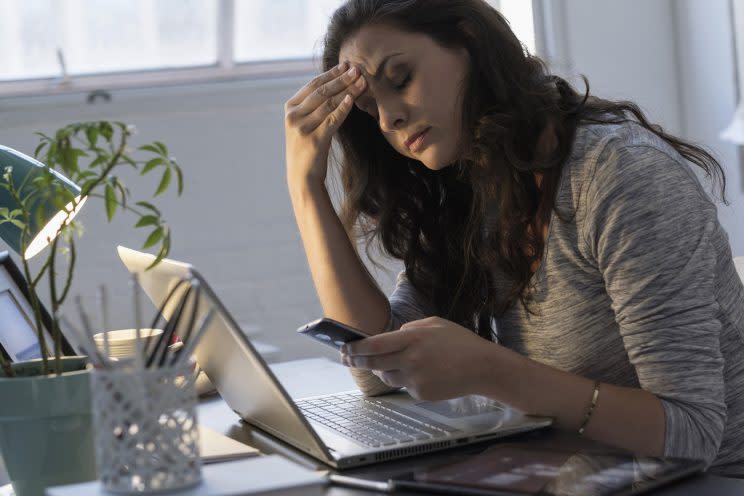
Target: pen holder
147,437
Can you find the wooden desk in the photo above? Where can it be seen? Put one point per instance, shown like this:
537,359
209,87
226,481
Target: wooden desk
321,376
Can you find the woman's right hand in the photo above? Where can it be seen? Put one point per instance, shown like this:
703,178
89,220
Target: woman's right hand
313,115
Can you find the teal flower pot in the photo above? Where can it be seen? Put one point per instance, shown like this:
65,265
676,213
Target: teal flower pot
46,426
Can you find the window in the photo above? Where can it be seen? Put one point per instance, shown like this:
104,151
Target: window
104,36
53,45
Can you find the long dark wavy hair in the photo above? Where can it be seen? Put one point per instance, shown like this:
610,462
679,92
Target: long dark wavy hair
437,222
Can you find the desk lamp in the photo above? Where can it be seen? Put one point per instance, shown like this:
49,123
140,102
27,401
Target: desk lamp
47,218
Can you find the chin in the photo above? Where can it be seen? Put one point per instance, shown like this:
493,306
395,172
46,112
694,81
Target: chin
435,161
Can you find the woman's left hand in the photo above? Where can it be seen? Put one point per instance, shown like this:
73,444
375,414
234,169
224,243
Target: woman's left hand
432,358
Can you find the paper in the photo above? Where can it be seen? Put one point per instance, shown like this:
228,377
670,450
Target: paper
215,447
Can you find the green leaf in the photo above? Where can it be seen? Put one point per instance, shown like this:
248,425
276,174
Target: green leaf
150,165
162,253
179,176
150,148
155,236
161,147
110,202
85,188
92,134
148,206
101,158
83,175
129,160
106,130
123,191
148,220
164,182
20,225
39,148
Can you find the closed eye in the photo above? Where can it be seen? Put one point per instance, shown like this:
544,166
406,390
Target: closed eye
403,83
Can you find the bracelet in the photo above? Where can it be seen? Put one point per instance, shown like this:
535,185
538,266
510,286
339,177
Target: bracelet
589,412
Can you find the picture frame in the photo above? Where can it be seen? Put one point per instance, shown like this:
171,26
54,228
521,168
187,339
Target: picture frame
18,339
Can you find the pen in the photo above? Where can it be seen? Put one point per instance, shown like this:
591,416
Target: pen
188,349
192,321
85,344
139,358
89,331
170,330
149,354
103,302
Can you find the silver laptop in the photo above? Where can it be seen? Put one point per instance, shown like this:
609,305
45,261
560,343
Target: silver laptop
342,430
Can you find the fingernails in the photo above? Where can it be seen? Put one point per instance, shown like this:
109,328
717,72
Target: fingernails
353,71
360,83
342,66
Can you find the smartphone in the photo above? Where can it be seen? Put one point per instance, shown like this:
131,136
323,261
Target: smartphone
331,333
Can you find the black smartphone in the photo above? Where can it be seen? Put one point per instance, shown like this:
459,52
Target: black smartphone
331,333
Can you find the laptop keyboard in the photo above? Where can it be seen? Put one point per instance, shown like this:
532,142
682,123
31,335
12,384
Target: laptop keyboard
370,421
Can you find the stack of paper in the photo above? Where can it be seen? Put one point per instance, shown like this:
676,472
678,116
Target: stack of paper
215,447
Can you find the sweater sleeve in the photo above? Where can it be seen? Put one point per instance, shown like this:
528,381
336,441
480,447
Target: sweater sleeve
648,228
406,305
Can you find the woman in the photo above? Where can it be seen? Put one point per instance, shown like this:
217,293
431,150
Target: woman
560,254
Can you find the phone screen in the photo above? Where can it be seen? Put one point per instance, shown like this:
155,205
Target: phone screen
331,333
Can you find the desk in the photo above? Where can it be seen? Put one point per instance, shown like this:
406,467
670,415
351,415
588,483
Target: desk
330,377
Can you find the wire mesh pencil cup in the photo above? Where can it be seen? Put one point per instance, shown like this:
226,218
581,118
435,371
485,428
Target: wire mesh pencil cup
147,437
144,406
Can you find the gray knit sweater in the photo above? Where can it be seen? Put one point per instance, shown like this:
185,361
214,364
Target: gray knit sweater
637,288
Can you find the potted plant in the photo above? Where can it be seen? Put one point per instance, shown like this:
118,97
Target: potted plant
45,416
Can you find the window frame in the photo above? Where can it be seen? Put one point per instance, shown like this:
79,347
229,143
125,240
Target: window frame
225,68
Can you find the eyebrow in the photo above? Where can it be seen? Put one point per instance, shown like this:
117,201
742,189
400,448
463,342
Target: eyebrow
378,71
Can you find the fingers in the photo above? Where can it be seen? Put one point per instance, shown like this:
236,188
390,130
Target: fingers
379,344
392,378
321,114
390,361
315,83
426,322
337,87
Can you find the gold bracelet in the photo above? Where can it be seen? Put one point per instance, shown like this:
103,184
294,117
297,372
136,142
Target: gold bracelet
595,396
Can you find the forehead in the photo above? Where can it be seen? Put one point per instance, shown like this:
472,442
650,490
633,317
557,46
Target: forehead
372,43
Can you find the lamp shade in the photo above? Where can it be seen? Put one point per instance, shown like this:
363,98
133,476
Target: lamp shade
46,218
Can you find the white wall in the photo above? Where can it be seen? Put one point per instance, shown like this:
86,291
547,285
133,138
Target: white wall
708,88
672,57
627,51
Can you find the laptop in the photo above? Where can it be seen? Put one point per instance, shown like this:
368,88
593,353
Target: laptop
342,430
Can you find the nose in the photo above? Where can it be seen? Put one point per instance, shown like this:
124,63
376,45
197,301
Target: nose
392,114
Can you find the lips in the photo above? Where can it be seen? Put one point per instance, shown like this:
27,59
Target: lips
413,139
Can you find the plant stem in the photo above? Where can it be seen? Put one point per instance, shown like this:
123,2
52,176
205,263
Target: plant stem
55,305
31,286
70,269
6,366
112,163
